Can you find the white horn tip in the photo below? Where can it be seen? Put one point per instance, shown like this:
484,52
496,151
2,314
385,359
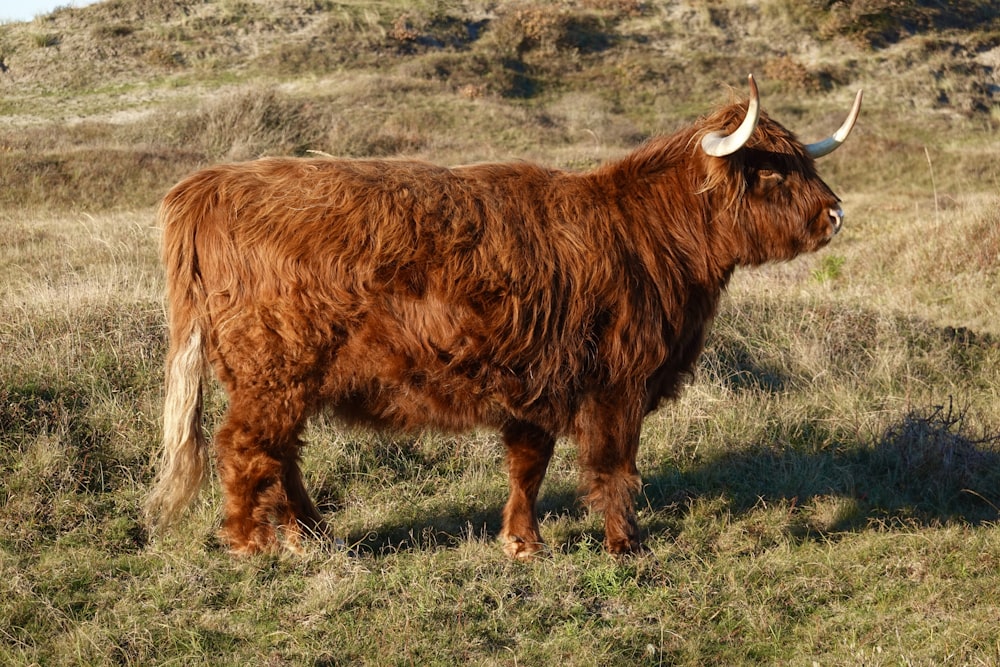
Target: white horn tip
831,143
718,145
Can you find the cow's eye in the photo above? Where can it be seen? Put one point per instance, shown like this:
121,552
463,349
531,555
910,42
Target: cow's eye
768,179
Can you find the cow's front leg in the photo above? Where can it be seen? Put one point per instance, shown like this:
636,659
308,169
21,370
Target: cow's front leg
529,450
608,436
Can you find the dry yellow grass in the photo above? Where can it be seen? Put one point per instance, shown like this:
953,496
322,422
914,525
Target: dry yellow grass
825,492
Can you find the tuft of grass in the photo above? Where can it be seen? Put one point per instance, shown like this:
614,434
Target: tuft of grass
931,458
44,40
113,30
830,268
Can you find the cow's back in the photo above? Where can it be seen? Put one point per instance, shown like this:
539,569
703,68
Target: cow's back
406,294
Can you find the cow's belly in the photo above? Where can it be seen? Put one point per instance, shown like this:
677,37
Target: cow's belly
381,384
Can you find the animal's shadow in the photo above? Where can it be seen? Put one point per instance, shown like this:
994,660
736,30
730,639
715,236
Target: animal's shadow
926,468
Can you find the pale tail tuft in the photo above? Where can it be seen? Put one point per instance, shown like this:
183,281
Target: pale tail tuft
183,461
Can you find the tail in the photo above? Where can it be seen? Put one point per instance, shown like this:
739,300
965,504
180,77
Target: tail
184,457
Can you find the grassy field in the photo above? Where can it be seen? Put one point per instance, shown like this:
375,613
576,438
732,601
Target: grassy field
826,491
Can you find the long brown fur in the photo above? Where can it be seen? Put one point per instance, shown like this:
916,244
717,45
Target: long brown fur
406,295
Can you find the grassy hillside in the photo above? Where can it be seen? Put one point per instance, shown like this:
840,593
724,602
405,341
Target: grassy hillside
826,491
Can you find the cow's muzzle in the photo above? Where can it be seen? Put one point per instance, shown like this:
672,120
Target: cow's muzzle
836,219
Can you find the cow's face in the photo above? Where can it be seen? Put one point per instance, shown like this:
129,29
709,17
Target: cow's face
771,187
785,204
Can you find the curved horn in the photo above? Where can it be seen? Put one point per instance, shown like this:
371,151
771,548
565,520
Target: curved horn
831,143
717,144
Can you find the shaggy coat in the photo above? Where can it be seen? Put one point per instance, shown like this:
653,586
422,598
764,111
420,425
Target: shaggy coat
404,295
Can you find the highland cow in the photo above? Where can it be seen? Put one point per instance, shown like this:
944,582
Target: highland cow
399,294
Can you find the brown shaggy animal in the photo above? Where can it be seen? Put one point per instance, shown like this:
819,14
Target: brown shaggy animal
405,295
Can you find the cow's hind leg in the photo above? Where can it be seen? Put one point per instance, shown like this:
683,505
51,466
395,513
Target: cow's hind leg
258,452
529,449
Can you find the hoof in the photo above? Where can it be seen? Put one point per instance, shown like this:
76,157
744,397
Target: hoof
247,549
519,549
260,540
624,547
294,537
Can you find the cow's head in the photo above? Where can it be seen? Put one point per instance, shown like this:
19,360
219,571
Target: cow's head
766,183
